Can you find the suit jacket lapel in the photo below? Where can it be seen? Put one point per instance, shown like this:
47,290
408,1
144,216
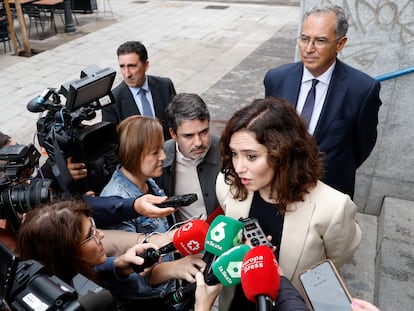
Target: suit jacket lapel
293,83
333,101
237,209
130,107
295,232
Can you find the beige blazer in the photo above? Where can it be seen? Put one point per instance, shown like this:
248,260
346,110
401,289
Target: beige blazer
322,226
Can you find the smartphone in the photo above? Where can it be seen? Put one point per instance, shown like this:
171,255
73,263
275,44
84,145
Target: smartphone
324,288
254,233
179,200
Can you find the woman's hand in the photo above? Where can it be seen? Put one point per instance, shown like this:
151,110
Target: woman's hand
145,205
359,305
131,256
205,295
184,268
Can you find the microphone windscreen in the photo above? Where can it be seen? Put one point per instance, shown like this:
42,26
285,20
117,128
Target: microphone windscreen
189,238
218,211
223,234
227,267
34,105
260,274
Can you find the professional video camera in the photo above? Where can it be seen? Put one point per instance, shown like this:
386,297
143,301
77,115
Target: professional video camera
27,285
18,193
61,132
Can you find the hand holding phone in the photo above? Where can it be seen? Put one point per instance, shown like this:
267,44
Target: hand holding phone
179,200
324,288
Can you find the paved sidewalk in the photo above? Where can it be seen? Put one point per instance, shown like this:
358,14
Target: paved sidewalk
194,43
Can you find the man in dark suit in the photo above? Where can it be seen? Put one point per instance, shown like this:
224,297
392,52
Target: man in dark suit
138,93
345,104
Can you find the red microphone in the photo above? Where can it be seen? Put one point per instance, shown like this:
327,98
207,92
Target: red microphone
188,239
260,277
218,211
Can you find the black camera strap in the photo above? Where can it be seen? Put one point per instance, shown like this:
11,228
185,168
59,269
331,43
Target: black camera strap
60,169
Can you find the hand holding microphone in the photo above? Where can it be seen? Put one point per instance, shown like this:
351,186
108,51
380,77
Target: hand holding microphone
205,295
225,270
223,234
137,258
260,277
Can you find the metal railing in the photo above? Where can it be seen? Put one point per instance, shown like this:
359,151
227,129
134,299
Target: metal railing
395,74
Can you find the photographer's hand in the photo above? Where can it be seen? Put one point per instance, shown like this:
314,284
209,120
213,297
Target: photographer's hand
144,205
77,170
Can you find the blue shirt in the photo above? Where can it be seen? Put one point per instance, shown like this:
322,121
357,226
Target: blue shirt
135,286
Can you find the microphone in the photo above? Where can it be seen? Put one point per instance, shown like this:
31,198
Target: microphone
227,267
188,239
225,270
218,211
37,104
150,257
223,234
260,277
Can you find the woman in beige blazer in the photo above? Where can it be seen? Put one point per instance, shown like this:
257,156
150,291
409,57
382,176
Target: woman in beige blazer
271,170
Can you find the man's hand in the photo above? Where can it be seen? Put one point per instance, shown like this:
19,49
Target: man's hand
145,205
77,170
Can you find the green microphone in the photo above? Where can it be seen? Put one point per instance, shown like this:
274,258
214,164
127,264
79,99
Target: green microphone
227,267
224,233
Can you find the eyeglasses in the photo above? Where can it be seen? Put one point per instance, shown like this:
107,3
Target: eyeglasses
93,234
319,43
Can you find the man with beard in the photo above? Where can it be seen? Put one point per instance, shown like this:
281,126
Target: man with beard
193,160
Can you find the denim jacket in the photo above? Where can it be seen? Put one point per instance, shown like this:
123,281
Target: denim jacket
121,186
136,286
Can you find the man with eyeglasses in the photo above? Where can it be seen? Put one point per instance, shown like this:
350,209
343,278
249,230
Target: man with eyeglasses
339,103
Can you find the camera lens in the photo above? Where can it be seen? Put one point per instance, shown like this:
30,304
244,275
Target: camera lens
22,198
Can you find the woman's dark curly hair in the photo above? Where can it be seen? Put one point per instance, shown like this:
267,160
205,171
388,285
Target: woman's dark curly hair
292,151
51,235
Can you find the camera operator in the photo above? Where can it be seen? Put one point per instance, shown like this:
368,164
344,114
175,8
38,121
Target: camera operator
107,210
